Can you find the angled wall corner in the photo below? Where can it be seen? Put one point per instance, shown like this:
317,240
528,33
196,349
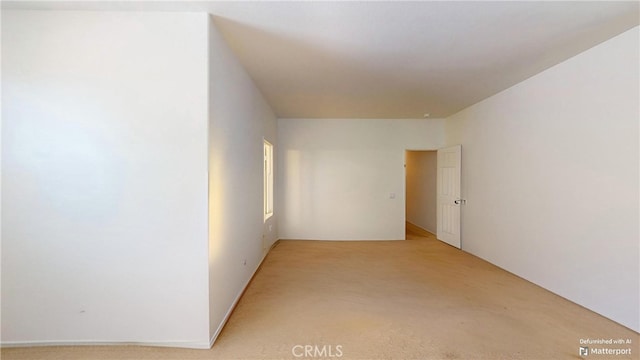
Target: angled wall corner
239,121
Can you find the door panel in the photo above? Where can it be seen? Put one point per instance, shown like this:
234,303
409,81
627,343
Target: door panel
449,163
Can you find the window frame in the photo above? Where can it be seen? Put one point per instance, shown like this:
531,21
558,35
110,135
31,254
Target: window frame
267,179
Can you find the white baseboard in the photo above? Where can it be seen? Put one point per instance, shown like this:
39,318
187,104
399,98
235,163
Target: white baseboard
173,344
338,240
238,296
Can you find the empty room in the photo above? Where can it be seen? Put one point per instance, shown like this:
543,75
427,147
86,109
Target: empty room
320,180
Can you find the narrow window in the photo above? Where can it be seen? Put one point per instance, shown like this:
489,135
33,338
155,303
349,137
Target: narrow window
268,180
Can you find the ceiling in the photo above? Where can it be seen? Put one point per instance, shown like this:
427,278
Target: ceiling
392,59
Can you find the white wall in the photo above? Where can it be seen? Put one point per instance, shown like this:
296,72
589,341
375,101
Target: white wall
421,178
337,175
550,174
104,178
239,119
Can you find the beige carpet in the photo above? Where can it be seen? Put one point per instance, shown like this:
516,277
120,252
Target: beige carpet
416,299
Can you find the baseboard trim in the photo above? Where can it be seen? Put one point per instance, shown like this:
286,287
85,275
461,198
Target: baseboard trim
417,229
171,344
338,240
238,297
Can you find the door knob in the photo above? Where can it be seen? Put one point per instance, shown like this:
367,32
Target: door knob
459,201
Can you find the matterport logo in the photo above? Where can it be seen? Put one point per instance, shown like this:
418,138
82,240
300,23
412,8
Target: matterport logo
614,347
317,351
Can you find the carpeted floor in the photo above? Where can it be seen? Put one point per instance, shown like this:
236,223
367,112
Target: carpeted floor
416,299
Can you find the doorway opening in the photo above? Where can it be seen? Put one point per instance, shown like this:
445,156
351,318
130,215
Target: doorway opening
421,193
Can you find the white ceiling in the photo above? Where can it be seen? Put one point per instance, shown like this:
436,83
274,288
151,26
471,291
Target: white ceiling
393,59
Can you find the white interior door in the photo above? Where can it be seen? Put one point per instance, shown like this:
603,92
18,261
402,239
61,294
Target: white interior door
449,201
